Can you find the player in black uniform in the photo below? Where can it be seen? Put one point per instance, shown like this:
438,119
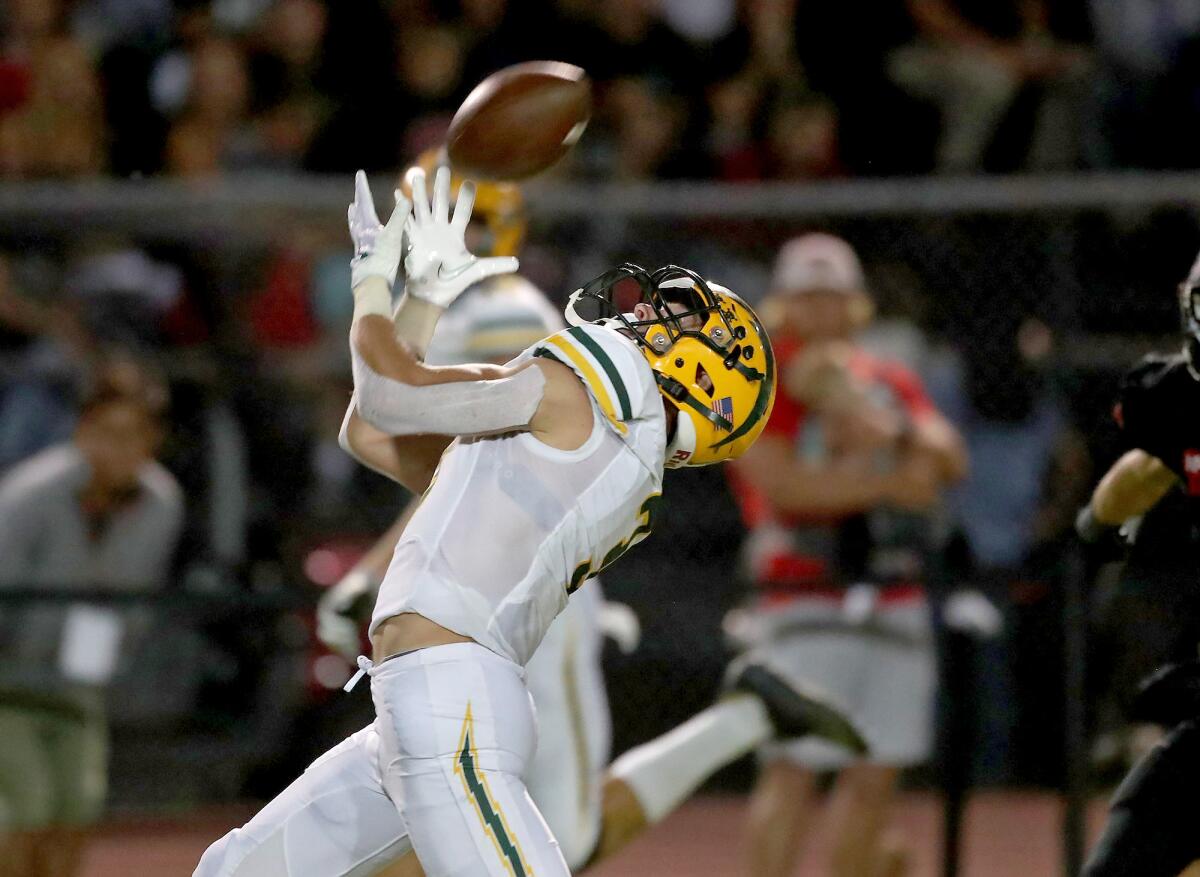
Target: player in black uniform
1152,828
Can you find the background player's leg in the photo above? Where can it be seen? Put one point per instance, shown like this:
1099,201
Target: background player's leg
898,683
647,783
457,731
859,808
566,775
781,809
334,821
833,663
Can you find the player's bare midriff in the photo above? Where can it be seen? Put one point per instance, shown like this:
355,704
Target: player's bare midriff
408,632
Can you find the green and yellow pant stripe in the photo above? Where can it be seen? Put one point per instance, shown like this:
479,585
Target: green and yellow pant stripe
485,804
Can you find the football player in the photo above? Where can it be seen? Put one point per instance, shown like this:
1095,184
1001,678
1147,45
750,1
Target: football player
1151,826
535,475
493,322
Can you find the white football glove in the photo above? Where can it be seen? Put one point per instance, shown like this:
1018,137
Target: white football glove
338,624
620,623
378,248
438,266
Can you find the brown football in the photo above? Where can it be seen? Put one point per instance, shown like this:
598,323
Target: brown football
519,121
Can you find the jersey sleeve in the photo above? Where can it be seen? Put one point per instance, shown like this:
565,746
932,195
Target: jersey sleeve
1139,407
614,371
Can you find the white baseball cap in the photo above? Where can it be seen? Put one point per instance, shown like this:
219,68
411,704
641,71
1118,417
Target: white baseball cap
817,261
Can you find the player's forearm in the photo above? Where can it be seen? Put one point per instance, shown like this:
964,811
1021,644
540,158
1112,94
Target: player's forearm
1133,485
811,490
414,322
373,341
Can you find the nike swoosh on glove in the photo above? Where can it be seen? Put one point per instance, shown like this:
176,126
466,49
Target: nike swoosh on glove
438,265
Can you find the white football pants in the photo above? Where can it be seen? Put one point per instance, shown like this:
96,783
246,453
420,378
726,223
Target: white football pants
453,735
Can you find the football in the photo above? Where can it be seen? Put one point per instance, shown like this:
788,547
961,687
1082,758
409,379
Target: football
519,121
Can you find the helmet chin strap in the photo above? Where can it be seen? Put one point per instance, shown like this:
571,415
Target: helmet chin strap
683,443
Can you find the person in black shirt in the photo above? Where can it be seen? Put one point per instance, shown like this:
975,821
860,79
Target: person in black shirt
1150,830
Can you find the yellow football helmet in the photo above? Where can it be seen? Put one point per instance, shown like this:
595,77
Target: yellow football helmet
500,206
710,355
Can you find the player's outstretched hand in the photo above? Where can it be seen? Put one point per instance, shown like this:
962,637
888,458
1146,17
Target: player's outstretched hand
1105,541
378,248
620,624
438,265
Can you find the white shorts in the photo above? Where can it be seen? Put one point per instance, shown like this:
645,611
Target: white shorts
456,733
336,820
874,657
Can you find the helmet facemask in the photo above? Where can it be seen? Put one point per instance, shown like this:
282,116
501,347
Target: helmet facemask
710,355
1189,311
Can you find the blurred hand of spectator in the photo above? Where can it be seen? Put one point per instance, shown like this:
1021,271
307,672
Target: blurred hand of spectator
917,482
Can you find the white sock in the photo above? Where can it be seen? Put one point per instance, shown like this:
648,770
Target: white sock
665,771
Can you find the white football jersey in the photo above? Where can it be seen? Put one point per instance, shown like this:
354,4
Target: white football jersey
509,527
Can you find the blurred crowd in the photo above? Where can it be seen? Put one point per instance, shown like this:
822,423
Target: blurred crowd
250,335
725,89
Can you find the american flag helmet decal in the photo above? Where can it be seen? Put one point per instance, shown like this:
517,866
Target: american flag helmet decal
724,407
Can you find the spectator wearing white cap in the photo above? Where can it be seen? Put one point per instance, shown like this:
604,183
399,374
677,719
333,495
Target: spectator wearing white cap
837,496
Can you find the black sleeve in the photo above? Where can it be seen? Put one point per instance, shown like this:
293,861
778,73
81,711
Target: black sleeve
1151,826
1141,405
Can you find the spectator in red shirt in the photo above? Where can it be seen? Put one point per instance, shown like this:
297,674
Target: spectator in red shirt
837,495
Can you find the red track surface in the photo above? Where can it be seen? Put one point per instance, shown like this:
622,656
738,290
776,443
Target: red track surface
1007,835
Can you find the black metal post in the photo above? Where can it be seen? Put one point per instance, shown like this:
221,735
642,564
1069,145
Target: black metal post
956,758
1075,744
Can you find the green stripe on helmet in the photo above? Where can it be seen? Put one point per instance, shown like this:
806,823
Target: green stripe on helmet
764,389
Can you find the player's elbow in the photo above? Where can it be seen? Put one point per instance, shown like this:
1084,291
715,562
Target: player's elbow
352,437
375,346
